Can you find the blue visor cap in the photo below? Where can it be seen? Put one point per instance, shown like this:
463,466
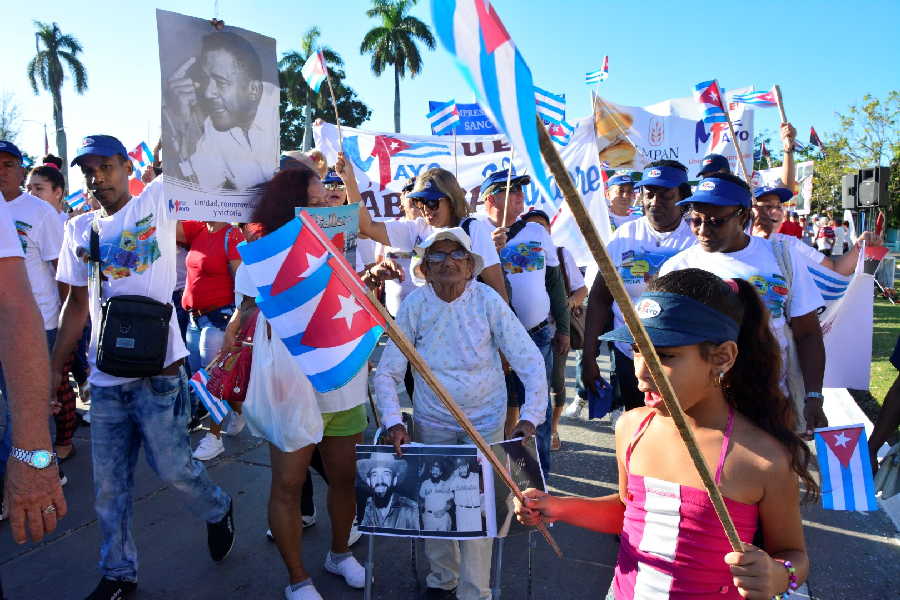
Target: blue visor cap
10,148
428,191
619,180
331,177
713,163
668,177
719,192
499,178
783,193
676,320
101,145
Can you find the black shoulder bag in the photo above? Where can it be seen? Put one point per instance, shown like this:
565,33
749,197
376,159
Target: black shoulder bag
134,330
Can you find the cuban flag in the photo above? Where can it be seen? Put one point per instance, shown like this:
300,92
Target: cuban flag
814,139
756,98
314,70
550,107
444,119
386,147
314,301
832,285
601,74
561,133
218,409
141,155
76,200
493,67
707,93
843,457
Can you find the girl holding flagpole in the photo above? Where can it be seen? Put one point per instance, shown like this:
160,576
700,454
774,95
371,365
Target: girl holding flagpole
717,350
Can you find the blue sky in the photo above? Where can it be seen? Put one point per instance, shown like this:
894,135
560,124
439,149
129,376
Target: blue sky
825,55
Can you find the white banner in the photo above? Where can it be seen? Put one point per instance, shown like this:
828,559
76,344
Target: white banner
384,161
803,173
632,136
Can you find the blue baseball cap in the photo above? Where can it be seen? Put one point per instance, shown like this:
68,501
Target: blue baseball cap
619,179
713,163
101,145
409,185
499,178
331,177
676,320
10,148
429,191
719,192
783,193
662,176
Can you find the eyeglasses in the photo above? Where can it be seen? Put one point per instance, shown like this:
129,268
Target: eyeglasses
439,257
695,221
429,203
334,186
768,207
513,189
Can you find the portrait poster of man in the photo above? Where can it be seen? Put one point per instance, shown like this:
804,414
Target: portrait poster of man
220,124
429,492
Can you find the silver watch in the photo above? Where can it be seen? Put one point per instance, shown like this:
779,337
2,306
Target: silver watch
39,459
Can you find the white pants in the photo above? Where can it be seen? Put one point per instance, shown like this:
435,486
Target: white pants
465,565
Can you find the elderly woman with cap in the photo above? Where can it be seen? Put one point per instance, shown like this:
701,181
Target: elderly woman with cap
638,249
459,326
719,214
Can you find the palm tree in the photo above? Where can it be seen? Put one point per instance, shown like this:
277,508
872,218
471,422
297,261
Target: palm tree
47,67
297,89
394,43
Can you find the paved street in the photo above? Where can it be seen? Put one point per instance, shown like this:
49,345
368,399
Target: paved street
855,556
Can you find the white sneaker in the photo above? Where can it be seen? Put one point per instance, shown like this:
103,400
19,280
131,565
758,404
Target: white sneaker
308,520
236,422
209,447
349,568
575,408
355,534
614,416
307,592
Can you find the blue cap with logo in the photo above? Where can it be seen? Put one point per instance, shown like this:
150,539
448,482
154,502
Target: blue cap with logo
619,179
662,176
783,193
499,178
713,163
101,145
409,185
429,191
676,320
10,148
719,192
331,177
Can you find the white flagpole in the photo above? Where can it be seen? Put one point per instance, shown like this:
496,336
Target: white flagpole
455,163
512,154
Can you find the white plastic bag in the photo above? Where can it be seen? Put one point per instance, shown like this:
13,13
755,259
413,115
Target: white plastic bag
281,405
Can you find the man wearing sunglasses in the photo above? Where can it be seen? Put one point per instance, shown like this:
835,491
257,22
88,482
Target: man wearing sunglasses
718,214
638,249
335,193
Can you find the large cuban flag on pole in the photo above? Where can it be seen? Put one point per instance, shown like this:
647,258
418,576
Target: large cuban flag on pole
493,67
314,301
843,456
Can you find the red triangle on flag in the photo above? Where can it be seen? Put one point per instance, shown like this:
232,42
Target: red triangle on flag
711,95
842,442
339,318
492,29
306,249
136,155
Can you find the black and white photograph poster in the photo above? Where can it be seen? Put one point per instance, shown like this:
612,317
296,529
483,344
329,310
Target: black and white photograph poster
521,461
429,492
220,124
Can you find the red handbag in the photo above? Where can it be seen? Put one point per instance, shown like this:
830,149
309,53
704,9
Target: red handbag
229,372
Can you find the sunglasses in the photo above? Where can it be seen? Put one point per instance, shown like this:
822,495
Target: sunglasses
429,203
695,221
439,257
513,189
334,186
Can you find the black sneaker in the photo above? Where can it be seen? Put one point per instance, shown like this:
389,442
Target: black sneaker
113,589
220,535
439,594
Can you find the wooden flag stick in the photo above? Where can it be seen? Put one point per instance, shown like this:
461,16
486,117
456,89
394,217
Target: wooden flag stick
337,118
617,289
512,154
737,148
455,163
776,90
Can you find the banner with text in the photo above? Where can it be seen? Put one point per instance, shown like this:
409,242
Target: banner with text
804,175
472,120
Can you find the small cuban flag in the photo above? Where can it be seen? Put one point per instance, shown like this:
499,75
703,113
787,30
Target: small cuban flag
550,107
561,133
218,409
76,200
600,75
314,70
444,119
709,95
843,458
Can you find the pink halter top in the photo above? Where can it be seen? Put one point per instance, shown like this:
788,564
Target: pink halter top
673,546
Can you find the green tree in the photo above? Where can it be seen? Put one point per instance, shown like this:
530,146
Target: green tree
759,162
47,68
393,42
10,119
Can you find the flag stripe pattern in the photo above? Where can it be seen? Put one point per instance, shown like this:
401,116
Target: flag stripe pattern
499,76
217,408
844,465
756,98
76,200
444,119
601,74
313,301
831,285
550,107
561,133
314,71
708,94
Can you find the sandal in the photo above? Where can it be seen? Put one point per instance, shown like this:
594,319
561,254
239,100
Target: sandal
555,444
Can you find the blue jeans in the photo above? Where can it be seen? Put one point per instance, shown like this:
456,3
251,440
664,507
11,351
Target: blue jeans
542,338
152,412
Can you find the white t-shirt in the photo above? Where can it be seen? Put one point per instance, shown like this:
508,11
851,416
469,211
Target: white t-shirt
757,264
576,279
137,255
617,221
841,237
10,246
365,253
41,233
639,251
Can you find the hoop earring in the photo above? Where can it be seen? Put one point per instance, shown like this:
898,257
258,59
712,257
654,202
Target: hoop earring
719,377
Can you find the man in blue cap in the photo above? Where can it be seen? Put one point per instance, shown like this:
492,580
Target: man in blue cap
714,164
136,239
620,196
638,249
335,194
719,213
537,291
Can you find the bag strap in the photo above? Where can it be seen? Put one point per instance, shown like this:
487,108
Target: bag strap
783,258
95,256
562,267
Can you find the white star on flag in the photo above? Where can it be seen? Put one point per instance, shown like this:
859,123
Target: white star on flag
841,440
314,262
394,145
714,96
349,308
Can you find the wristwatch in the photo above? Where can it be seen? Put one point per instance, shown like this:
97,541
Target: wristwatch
39,459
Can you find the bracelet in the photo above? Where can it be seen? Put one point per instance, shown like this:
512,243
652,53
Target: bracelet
792,580
814,396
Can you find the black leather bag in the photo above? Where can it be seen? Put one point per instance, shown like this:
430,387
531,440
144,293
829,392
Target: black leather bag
134,330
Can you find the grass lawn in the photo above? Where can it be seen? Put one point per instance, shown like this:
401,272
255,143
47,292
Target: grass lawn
886,330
